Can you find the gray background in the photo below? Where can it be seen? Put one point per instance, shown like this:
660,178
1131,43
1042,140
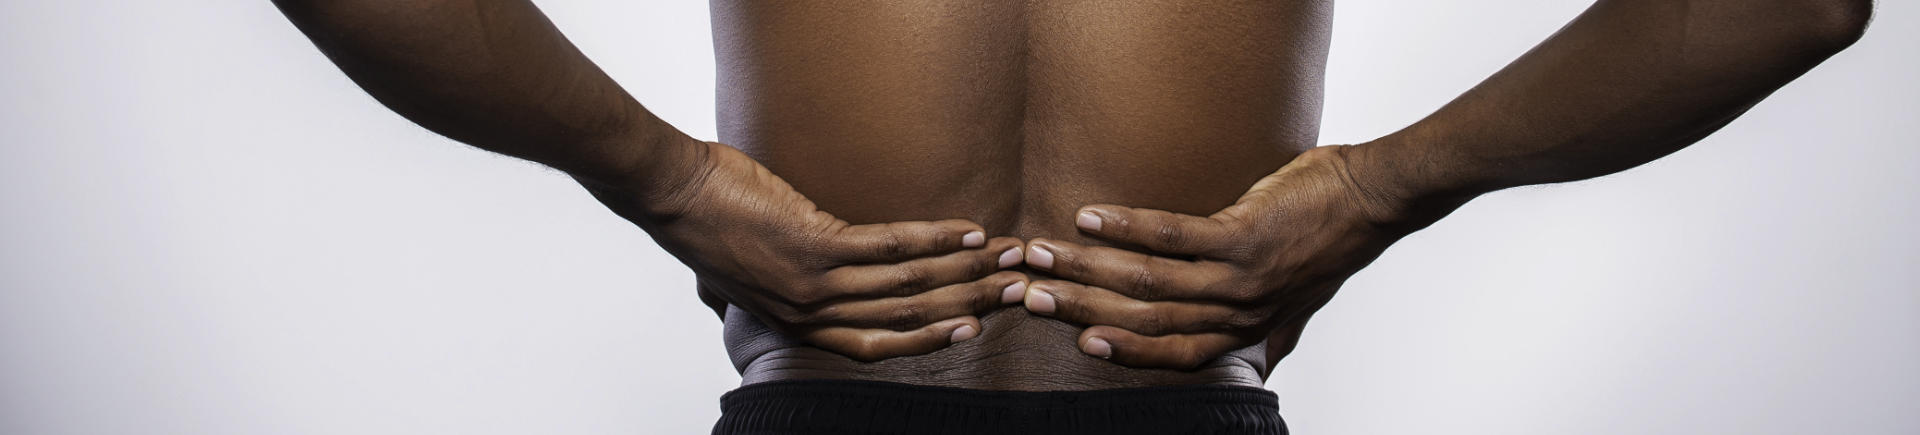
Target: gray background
208,230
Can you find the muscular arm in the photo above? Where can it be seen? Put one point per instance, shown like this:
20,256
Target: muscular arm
1627,82
496,75
499,76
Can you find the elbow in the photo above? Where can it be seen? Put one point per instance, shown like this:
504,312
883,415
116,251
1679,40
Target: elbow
1833,25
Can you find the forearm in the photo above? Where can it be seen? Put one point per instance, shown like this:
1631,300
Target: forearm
1625,83
493,74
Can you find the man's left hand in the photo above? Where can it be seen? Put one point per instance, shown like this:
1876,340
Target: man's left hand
1199,287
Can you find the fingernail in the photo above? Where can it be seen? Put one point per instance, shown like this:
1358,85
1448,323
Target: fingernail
1010,258
973,239
1014,293
962,333
1099,348
1087,221
1041,258
1039,302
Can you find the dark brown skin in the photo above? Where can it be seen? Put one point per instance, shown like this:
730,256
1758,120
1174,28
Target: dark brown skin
1013,116
1156,158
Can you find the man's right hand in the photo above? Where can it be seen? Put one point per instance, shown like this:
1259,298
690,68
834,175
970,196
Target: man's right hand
869,292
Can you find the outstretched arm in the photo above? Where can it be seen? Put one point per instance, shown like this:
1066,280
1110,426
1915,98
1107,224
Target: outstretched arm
499,76
1625,83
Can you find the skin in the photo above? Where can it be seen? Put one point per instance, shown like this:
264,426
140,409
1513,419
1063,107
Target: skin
1625,83
1051,195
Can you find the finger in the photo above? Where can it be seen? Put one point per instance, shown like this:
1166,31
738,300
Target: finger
1178,351
899,241
905,313
919,275
1078,303
1156,230
1137,275
868,345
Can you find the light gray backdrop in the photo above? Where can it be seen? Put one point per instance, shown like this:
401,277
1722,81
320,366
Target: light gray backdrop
208,230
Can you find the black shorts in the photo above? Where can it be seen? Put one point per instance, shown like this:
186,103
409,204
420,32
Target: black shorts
866,407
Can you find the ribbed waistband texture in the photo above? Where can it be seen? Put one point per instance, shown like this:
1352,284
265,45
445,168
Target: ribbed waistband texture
867,407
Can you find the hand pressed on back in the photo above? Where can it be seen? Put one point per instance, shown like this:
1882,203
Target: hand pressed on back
869,292
1206,286
1621,85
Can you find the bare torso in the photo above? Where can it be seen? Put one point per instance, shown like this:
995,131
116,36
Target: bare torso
1014,115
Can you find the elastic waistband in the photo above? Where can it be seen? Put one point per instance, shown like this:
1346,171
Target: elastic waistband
853,389
848,406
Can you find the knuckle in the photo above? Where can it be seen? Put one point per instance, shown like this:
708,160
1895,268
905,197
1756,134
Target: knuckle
1168,234
1069,262
1143,283
1152,322
891,245
821,235
1240,293
909,313
1121,223
1237,250
802,293
816,257
909,278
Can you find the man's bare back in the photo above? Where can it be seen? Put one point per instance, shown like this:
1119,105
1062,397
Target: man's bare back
1013,115
1139,177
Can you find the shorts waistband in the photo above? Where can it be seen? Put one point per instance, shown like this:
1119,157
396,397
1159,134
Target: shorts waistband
851,406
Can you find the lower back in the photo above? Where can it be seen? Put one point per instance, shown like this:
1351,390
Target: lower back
1013,115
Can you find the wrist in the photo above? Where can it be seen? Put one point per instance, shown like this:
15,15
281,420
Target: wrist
656,172
678,171
1411,192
